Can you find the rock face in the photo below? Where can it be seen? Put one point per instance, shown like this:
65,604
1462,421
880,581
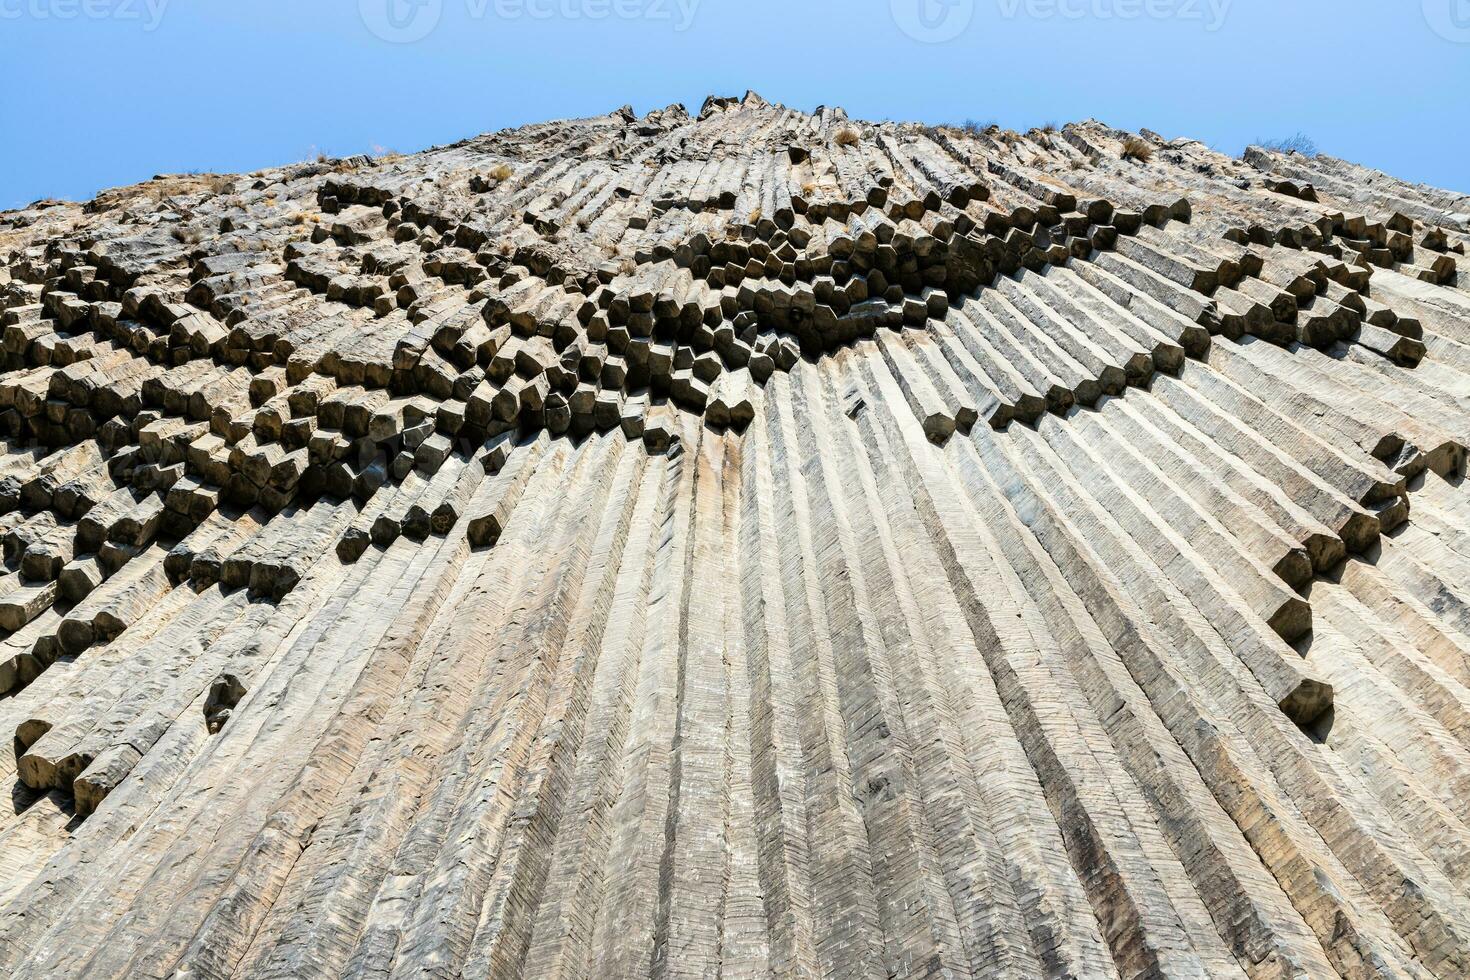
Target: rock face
760,544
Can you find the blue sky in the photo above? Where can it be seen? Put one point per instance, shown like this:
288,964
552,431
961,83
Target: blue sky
97,93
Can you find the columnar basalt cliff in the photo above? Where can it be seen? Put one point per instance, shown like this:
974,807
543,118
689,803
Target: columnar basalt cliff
759,544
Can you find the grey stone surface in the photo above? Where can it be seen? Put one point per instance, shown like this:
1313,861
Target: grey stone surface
750,544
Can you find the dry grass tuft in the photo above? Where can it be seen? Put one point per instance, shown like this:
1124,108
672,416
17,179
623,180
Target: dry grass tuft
501,172
847,136
1135,148
1299,143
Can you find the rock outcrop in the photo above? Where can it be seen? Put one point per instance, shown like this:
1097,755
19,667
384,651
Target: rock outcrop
759,544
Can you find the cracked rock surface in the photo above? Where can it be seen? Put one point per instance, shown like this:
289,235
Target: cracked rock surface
748,544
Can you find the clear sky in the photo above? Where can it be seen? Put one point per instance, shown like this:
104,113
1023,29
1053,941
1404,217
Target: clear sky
98,93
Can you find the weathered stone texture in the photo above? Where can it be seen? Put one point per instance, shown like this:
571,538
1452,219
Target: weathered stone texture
759,544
